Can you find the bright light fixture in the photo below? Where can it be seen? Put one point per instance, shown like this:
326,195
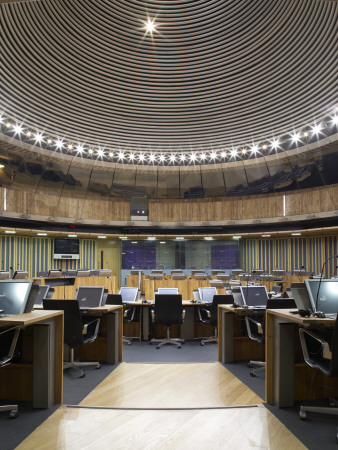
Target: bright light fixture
236,237
18,129
123,237
72,235
10,232
266,235
180,238
151,238
208,238
41,234
102,237
296,234
150,26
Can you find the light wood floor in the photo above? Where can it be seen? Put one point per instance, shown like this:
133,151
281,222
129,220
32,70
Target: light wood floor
106,418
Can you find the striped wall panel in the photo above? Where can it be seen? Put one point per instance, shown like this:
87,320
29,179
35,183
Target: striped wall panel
36,255
290,254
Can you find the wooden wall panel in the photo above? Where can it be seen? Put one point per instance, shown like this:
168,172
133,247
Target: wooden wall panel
305,202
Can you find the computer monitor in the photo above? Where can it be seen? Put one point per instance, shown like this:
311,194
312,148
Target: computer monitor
300,294
167,291
223,277
4,275
157,271
20,275
201,276
129,294
14,296
254,296
83,273
45,291
176,271
135,272
207,294
194,271
155,276
89,296
71,272
327,296
54,273
236,271
178,276
105,273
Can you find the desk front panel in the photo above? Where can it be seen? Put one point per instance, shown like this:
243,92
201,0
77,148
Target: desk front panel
288,377
62,292
185,287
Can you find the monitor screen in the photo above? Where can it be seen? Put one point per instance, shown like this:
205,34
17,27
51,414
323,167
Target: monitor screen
44,292
20,275
70,246
54,273
207,294
129,294
255,296
89,296
328,295
168,291
14,296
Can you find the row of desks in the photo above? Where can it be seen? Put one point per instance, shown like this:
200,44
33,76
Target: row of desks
288,378
38,377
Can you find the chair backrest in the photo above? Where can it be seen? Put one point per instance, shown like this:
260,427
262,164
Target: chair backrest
114,299
281,303
219,299
168,309
334,349
73,324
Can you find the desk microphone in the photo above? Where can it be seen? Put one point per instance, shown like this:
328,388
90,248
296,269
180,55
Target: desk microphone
302,268
111,284
320,313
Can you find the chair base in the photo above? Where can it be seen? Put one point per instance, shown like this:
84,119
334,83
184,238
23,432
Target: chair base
208,340
174,341
14,412
261,366
332,409
72,364
128,340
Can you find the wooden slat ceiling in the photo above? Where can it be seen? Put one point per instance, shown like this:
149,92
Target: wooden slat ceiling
214,73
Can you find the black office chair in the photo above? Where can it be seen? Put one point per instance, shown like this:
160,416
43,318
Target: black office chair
210,314
255,326
320,351
128,313
168,310
78,329
4,360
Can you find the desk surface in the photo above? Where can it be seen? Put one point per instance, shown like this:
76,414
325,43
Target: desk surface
152,303
287,315
28,318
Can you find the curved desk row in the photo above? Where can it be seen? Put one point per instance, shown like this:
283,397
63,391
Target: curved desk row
65,287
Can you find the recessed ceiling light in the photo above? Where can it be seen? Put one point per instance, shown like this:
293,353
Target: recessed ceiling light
10,231
236,237
151,238
72,235
134,242
296,234
102,237
162,242
266,235
180,238
41,234
208,238
123,237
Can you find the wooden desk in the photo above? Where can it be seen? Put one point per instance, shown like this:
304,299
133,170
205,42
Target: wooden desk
286,380
108,346
233,345
39,376
63,292
185,287
187,330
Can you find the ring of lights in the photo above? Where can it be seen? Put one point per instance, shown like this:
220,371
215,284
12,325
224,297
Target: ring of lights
214,82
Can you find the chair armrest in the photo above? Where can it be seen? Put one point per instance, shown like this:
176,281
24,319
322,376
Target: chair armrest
255,328
203,314
325,348
91,325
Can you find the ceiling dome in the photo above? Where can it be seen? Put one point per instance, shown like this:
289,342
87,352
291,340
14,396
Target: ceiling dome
212,74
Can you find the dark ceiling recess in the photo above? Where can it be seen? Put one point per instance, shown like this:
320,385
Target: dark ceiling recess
174,230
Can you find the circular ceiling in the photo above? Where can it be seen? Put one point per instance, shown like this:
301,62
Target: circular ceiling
212,74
